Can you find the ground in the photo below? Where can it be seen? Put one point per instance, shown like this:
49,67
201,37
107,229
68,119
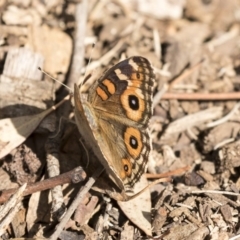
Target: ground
193,47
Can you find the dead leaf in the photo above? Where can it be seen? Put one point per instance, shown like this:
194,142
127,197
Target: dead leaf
138,210
14,131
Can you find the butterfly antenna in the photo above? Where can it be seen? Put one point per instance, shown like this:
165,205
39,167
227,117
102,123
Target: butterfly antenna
90,59
55,79
86,152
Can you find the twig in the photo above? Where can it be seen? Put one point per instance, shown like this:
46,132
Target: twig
125,197
224,142
225,118
59,103
216,192
185,74
86,210
168,174
78,53
234,32
79,198
75,175
12,201
184,205
203,96
157,43
159,95
6,221
10,209
235,237
53,168
105,58
193,119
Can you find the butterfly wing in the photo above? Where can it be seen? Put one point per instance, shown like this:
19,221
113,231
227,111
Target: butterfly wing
121,104
88,127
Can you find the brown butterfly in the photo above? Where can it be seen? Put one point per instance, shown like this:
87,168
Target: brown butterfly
113,119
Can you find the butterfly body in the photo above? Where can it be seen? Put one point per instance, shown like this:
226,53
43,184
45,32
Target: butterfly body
113,119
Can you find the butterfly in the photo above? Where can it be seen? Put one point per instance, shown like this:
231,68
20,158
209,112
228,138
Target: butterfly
113,119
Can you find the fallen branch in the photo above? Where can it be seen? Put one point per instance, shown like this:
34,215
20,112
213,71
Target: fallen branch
76,175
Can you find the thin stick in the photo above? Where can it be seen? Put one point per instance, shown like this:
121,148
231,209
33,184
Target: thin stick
157,43
216,192
185,74
12,201
168,174
53,168
105,58
159,95
235,237
79,48
225,118
9,210
75,175
203,96
79,198
60,103
9,218
128,198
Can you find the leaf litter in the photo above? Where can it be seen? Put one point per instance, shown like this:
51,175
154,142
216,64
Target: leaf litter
193,46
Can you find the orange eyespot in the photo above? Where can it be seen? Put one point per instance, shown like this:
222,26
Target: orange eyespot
127,168
133,141
137,78
133,103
